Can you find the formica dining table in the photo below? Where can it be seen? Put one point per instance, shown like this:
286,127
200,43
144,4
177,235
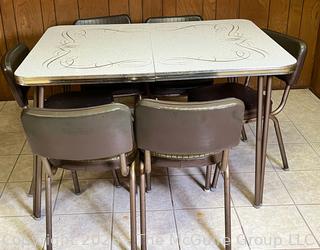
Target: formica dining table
93,54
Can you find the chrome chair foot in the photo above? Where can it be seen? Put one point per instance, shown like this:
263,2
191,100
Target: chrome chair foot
243,134
76,184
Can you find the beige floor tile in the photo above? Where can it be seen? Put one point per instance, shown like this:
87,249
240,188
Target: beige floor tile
311,213
23,171
158,198
187,171
21,233
242,190
204,230
242,159
2,103
86,175
11,143
300,157
96,196
83,231
6,166
16,202
188,192
280,227
303,186
290,134
11,107
310,130
161,231
10,123
316,147
26,149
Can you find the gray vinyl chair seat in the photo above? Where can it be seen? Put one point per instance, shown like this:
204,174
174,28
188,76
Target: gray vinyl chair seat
181,134
73,100
86,138
175,88
246,94
102,164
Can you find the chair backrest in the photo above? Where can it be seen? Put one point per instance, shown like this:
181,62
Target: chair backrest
9,63
118,19
296,47
183,128
79,134
172,19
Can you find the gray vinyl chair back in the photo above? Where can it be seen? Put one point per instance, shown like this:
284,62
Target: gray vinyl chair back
172,19
79,134
182,128
296,47
9,63
118,19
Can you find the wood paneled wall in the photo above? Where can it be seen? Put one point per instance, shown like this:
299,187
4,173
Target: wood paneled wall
25,20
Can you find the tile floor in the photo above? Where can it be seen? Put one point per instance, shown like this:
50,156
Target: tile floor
180,214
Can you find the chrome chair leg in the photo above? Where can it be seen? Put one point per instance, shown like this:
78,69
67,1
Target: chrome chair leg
133,219
148,182
31,189
48,212
143,229
208,178
227,201
76,184
280,142
215,177
115,178
243,134
37,179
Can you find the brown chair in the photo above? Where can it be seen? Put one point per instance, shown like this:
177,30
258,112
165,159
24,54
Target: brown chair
175,88
298,49
95,137
177,134
118,89
10,62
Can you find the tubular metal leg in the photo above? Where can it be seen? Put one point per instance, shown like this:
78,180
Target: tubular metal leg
280,142
143,228
133,219
208,178
227,208
148,181
37,167
215,177
37,178
243,134
258,157
76,184
115,178
265,134
48,212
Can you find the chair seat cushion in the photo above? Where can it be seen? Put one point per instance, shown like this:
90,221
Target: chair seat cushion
227,90
77,99
93,165
117,89
177,87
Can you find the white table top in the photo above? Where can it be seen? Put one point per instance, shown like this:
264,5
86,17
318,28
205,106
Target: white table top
152,52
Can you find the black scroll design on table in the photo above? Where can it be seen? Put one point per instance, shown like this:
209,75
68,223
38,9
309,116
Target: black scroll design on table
242,48
70,41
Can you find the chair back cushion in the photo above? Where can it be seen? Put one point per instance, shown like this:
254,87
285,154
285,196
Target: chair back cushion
118,19
188,128
79,134
172,19
296,47
9,63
